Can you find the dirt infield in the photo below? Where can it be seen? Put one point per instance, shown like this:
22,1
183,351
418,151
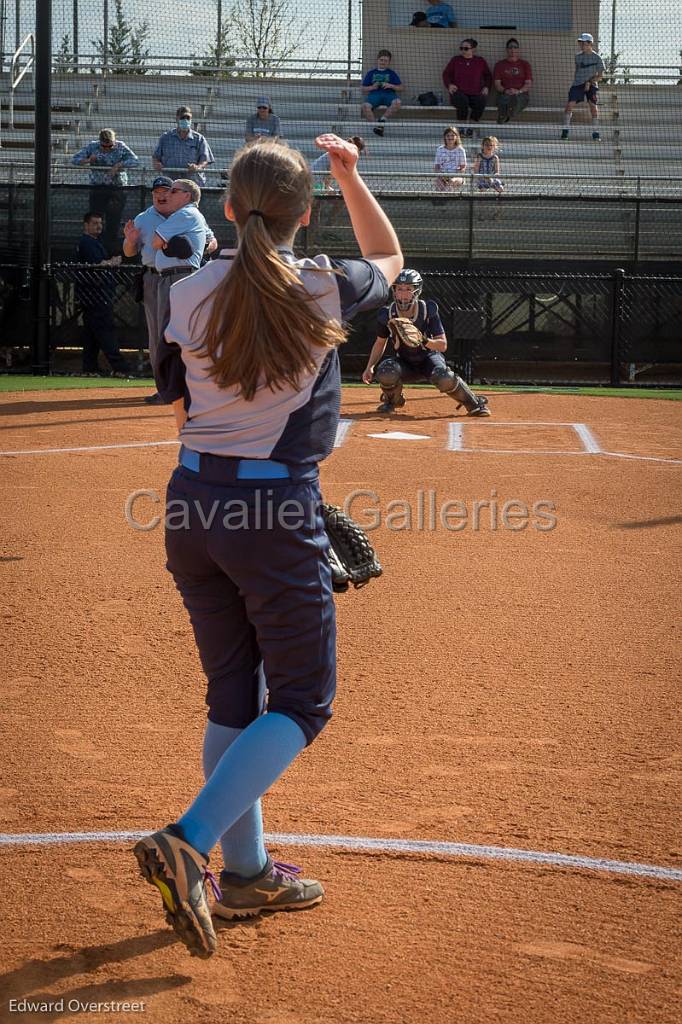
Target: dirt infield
502,687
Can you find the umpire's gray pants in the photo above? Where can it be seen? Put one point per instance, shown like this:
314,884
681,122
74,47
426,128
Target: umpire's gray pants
157,306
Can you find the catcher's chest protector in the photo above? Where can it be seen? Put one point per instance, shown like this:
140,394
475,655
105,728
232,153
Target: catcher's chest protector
419,321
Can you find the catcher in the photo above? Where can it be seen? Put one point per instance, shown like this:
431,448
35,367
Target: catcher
418,340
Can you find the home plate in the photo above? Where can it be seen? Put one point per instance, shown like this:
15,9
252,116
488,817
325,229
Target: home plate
399,435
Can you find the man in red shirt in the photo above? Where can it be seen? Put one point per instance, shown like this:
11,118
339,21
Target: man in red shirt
467,79
513,78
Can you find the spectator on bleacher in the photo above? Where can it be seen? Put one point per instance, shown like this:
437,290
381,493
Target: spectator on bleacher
380,87
108,160
419,20
467,79
263,124
513,79
168,197
487,166
440,15
589,68
182,148
450,162
96,298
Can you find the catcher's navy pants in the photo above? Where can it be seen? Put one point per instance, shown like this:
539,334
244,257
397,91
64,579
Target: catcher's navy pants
256,582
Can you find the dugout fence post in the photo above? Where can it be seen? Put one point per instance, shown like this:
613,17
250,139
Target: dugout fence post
638,208
471,225
616,322
41,209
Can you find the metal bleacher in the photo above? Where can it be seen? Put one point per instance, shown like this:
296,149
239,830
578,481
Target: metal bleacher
634,158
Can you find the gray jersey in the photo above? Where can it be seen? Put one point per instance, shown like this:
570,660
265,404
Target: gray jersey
587,66
296,425
267,128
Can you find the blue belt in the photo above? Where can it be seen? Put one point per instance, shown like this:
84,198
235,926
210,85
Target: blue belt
247,469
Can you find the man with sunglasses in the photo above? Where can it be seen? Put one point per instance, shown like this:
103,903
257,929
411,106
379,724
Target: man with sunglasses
108,160
513,78
467,79
263,124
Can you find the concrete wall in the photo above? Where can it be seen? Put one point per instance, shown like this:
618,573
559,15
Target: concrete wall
419,55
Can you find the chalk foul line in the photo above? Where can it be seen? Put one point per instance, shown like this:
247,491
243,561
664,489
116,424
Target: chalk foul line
442,849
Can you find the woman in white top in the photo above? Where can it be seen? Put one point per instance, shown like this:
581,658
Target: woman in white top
450,162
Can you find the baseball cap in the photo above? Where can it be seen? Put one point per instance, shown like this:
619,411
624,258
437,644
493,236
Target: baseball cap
263,101
162,182
585,38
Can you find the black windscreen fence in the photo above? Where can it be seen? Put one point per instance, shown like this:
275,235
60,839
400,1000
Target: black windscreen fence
502,327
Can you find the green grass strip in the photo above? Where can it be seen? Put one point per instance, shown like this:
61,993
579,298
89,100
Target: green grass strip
12,382
20,382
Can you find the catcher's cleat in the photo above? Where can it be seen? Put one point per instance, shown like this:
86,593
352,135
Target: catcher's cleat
389,406
180,874
277,887
482,407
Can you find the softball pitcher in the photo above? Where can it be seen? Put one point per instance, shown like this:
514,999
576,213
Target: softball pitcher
250,364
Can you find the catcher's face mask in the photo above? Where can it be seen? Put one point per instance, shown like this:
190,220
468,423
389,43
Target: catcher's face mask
405,295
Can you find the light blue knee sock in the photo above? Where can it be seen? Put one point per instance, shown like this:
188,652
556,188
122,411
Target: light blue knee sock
247,769
243,848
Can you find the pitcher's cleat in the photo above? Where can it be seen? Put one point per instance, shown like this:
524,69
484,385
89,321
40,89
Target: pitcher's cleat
180,874
482,407
277,887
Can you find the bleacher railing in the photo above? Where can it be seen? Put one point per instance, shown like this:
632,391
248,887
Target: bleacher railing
395,183
16,74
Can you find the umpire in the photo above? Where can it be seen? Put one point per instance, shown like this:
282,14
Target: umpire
172,215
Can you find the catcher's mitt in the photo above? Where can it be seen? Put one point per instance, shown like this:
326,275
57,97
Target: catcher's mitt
351,556
405,332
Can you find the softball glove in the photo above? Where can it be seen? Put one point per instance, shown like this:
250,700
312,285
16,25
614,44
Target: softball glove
405,332
351,556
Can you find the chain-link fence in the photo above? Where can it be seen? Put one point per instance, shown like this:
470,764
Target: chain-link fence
513,327
611,328
463,228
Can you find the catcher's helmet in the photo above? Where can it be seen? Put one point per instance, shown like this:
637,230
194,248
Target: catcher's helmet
414,279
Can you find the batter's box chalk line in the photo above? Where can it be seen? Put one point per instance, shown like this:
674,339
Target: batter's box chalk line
589,444
365,843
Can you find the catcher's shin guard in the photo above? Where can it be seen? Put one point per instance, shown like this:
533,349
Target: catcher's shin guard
391,398
388,375
450,384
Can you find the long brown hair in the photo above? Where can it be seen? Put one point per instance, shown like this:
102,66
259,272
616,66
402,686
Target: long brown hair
262,323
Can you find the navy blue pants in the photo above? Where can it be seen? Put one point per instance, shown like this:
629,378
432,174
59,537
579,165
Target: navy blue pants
256,589
412,373
99,335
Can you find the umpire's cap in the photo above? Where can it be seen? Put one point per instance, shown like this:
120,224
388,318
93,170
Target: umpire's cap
162,182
